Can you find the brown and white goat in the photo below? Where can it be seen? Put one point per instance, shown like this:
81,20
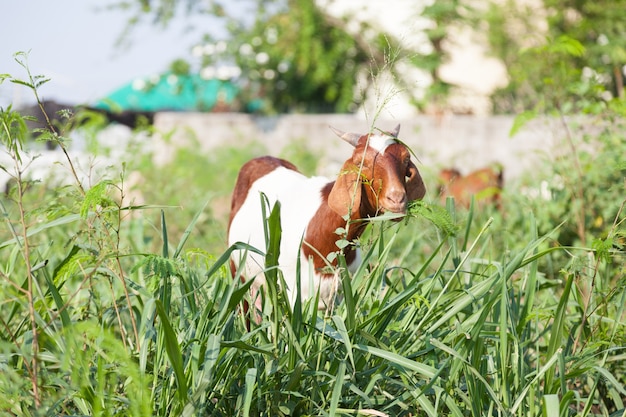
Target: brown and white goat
484,184
379,177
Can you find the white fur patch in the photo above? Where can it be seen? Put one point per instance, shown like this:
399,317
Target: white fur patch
381,142
300,198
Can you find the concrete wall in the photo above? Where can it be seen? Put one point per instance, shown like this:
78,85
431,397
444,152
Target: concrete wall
466,142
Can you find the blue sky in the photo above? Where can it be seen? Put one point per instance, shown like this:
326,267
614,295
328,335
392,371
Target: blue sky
74,44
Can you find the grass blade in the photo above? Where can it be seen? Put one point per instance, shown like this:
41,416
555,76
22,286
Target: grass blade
557,332
337,388
188,230
249,390
551,405
164,235
522,395
58,300
343,332
172,349
422,369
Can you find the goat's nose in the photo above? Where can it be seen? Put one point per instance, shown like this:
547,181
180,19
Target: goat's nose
396,201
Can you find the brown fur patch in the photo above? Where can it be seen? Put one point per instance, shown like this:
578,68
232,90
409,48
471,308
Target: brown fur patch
485,184
250,172
320,236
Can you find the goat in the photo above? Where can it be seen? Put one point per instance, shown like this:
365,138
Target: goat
379,177
484,184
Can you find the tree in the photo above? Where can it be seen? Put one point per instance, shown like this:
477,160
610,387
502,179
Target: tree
291,54
443,15
559,51
599,25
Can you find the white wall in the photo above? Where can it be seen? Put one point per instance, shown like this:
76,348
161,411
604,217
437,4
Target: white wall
467,142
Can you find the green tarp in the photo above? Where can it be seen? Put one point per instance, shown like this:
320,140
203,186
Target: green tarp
171,92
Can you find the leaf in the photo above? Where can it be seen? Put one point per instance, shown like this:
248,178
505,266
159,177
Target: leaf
558,330
338,385
343,332
249,389
401,361
437,215
172,349
551,405
567,45
165,249
342,243
521,120
40,80
225,257
24,83
61,266
95,196
602,248
611,379
54,223
13,131
473,370
58,300
212,354
188,230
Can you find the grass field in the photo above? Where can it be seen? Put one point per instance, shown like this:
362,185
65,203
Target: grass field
112,309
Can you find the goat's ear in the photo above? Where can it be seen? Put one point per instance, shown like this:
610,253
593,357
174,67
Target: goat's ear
415,188
345,196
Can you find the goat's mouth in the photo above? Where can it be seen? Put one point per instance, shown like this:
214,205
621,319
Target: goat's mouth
394,209
393,201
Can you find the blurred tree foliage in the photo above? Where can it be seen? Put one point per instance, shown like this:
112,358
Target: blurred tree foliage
289,53
600,25
299,58
304,60
442,15
558,51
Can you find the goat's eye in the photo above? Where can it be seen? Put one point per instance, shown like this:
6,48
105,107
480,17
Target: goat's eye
410,172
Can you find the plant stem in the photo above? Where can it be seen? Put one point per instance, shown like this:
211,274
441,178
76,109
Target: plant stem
578,188
34,365
593,282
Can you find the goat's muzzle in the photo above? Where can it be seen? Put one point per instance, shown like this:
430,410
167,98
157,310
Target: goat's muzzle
395,202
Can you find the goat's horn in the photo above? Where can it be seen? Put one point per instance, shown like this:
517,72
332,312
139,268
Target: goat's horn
351,138
396,131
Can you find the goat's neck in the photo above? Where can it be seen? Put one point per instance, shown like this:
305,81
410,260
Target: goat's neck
322,234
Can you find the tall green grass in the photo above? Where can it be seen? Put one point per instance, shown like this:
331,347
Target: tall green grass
452,313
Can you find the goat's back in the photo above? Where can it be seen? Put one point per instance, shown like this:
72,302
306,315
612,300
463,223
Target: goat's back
249,173
485,184
300,198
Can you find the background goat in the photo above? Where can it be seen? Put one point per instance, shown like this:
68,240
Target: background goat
484,184
379,177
